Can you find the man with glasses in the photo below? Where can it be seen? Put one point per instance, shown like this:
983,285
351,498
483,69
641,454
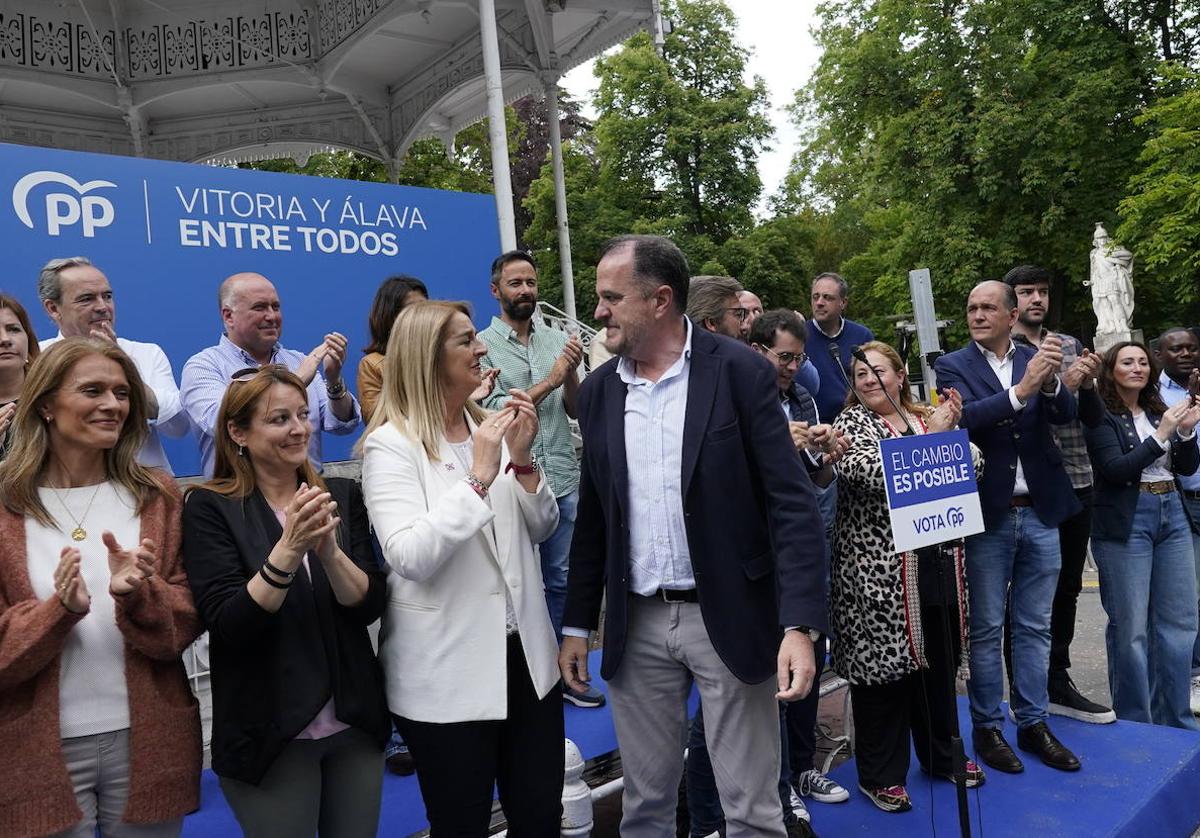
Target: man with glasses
781,336
713,306
253,319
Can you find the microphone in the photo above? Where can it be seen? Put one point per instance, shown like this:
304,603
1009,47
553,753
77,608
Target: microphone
835,352
861,356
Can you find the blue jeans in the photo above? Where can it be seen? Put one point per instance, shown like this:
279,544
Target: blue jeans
556,554
1022,552
1148,587
1193,504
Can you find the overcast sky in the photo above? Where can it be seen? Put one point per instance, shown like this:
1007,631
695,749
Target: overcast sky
782,52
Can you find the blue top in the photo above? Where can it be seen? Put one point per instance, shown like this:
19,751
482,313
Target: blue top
831,394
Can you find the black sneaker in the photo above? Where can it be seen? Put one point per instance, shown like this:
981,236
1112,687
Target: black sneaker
1066,700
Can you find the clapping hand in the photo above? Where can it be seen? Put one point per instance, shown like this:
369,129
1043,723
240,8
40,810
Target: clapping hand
799,431
335,355
945,417
1189,416
68,582
129,568
485,384
568,360
524,427
310,516
485,463
1083,372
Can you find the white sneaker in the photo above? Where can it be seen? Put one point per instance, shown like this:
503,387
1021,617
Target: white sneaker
798,808
1195,695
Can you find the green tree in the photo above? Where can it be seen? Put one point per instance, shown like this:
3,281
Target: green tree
1161,213
673,149
968,137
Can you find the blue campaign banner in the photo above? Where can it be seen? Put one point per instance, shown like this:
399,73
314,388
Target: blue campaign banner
166,235
931,489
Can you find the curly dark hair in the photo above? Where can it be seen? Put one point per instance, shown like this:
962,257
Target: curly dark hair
1149,399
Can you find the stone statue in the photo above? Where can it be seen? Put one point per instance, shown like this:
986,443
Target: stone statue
1112,284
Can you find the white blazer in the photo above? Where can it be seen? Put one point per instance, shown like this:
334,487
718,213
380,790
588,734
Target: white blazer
443,646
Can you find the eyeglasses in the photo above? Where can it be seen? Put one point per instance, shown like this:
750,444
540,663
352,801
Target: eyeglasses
247,373
785,359
740,313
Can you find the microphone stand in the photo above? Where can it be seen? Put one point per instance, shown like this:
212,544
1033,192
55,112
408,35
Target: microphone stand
943,559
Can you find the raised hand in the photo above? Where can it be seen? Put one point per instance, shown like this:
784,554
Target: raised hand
486,384
568,359
524,427
947,414
1189,417
335,355
69,586
487,438
309,516
1083,372
307,370
800,432
103,331
129,568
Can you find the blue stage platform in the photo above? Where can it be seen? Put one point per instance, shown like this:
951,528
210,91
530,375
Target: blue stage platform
1137,781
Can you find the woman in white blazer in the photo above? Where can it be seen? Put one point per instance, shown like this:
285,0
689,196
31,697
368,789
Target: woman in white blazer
469,656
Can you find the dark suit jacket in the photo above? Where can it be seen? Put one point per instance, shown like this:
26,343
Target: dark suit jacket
754,533
1004,434
272,673
1118,457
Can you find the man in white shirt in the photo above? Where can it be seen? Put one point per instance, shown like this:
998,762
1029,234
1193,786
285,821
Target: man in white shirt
79,300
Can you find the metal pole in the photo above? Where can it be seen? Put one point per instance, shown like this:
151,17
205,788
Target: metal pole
494,85
560,195
920,288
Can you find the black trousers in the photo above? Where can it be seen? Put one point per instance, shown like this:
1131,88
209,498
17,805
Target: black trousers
461,763
1073,535
801,719
919,706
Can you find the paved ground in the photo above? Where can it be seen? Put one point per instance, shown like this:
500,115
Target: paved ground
1089,670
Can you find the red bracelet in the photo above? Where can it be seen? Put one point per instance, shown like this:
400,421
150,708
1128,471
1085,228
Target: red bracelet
529,469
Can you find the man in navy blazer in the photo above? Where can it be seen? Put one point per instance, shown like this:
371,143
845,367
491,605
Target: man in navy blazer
1011,395
699,528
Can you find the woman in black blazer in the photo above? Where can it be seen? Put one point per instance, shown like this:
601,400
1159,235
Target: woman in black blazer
283,574
1141,539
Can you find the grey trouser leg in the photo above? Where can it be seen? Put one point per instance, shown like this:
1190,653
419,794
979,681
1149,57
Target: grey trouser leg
666,648
332,784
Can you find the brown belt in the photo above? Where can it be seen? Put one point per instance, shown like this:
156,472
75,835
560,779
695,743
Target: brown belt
1158,487
1021,500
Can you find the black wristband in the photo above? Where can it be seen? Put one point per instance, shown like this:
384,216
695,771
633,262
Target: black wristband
283,586
288,576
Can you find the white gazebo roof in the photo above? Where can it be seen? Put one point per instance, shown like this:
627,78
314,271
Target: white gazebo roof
212,80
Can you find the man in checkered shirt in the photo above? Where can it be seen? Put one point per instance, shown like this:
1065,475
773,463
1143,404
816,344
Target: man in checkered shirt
1032,287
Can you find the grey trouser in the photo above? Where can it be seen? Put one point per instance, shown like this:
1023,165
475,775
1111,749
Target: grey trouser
332,785
99,769
666,649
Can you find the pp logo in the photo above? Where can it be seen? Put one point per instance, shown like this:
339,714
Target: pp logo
64,209
955,516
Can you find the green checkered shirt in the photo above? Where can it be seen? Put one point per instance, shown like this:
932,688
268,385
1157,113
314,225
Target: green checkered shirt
521,367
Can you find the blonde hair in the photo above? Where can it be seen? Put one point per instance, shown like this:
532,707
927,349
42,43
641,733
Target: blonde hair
412,395
26,464
233,472
897,365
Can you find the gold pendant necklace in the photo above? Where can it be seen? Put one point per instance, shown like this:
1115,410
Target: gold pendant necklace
79,533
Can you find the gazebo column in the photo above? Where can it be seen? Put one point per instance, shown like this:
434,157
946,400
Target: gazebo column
498,136
550,80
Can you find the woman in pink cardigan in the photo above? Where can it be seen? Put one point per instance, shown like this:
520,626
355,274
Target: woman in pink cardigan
97,725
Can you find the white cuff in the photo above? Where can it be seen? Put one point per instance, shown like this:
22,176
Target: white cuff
571,631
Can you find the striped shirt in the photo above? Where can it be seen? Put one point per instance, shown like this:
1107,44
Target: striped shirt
206,378
522,366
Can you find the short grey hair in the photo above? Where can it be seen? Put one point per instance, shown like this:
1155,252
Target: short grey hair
707,296
843,286
50,279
